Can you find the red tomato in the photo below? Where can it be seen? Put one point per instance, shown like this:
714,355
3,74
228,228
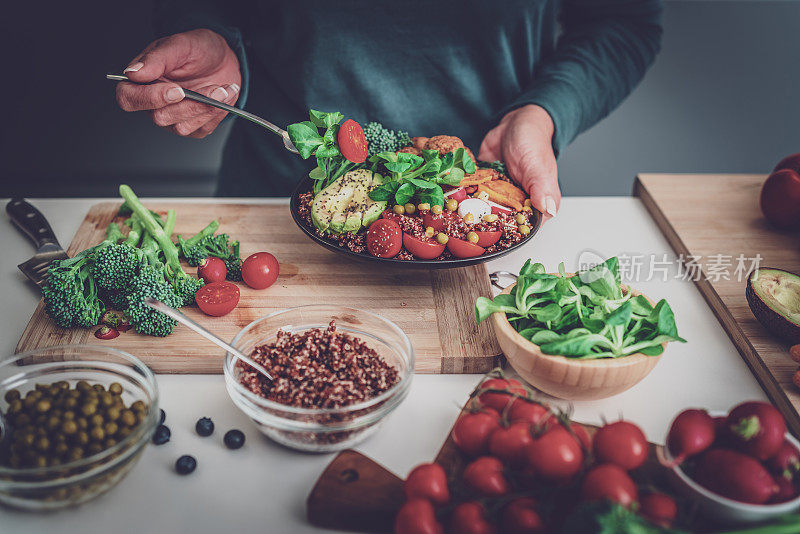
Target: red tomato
469,518
384,238
472,431
621,443
463,249
352,141
217,298
485,476
427,481
417,516
520,517
487,239
457,193
555,455
527,411
609,482
508,444
424,250
434,221
659,509
583,436
260,270
212,269
497,209
106,332
496,400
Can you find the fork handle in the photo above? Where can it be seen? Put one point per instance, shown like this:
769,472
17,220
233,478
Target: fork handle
31,222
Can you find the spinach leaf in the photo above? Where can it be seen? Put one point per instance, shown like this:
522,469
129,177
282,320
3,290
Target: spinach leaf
434,197
305,138
404,193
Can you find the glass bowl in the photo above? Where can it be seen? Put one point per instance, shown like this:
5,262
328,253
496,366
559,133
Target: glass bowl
72,483
318,429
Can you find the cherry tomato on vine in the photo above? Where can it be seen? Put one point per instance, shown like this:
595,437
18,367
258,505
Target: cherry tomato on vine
260,270
417,516
472,431
427,481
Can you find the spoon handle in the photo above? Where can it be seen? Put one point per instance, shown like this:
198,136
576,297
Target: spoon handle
181,318
192,95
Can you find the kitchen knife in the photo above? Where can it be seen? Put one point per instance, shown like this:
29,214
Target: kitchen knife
35,226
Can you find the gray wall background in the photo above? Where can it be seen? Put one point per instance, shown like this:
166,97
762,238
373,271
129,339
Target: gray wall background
722,97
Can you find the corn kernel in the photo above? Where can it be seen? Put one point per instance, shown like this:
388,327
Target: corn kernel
423,206
490,218
410,208
442,238
398,209
525,229
436,209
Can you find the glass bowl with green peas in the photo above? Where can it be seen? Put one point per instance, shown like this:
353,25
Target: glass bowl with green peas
73,421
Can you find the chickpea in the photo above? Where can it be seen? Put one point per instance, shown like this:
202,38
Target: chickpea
442,238
410,208
469,218
472,237
423,206
436,209
429,231
492,217
524,229
398,209
451,204
521,219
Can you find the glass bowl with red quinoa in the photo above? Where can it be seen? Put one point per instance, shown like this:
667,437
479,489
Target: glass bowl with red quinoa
337,372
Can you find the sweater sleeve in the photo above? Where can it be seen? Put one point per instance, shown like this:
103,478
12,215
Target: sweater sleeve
176,16
602,53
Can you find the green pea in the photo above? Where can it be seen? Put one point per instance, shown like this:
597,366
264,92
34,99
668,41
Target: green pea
115,388
82,438
97,433
69,427
43,405
42,444
113,413
111,428
96,420
12,395
128,418
88,409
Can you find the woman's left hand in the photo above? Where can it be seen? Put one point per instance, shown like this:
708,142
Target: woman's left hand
524,141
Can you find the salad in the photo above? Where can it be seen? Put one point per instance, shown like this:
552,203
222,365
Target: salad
390,195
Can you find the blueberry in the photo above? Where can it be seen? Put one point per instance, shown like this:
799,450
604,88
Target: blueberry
234,439
163,417
161,435
204,426
185,464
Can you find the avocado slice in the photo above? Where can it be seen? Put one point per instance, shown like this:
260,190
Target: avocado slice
374,207
774,298
320,214
337,222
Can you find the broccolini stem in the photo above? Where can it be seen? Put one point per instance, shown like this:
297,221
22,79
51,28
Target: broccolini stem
205,232
135,235
169,224
113,233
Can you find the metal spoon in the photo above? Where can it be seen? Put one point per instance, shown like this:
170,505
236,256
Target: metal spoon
181,318
192,95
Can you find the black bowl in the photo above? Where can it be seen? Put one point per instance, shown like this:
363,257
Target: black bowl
306,185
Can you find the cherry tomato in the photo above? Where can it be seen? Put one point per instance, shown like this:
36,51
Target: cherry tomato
582,435
212,269
260,270
463,249
352,141
609,482
526,411
472,431
555,455
424,250
417,516
621,443
496,400
217,298
659,509
489,238
470,518
434,221
485,476
427,481
520,517
106,332
384,238
508,444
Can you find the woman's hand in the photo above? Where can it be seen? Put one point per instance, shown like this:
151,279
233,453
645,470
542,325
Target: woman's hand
524,141
199,60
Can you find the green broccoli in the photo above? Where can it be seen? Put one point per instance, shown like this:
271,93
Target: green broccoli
150,282
381,139
115,265
206,243
189,248
71,294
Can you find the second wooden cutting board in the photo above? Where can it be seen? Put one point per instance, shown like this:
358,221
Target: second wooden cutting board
435,308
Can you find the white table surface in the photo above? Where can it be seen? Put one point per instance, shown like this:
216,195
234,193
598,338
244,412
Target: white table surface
262,487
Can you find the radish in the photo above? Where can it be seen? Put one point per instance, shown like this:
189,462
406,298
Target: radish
736,476
459,194
786,490
691,433
497,209
757,429
786,462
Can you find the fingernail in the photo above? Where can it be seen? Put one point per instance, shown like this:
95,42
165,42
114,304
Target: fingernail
219,94
234,88
550,206
175,94
133,68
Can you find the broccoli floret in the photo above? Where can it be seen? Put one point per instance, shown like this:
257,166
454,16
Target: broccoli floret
115,300
189,248
381,139
150,282
70,294
195,250
233,264
115,265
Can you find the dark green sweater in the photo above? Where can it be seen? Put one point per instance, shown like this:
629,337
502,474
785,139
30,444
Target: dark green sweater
441,67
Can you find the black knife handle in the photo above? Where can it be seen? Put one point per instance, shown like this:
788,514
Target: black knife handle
31,221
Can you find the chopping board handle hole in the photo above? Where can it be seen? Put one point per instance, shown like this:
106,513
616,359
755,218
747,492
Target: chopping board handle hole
348,476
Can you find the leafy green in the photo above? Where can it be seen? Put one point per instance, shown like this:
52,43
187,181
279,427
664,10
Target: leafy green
585,316
610,518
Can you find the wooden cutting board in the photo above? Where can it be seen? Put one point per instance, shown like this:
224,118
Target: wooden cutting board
435,308
706,215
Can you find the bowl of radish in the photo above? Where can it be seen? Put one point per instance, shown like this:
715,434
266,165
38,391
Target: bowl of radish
739,467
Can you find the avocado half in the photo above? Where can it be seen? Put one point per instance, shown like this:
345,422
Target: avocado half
774,298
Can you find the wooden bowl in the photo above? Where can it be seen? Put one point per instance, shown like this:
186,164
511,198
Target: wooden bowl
570,378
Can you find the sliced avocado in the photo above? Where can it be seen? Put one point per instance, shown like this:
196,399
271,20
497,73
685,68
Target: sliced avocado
320,214
337,222
374,207
774,298
353,222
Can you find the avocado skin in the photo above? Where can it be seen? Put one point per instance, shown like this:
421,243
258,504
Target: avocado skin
769,318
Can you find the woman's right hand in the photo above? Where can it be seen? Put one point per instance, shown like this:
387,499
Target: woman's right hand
199,60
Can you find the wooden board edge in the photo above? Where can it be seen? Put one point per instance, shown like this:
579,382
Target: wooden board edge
737,336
